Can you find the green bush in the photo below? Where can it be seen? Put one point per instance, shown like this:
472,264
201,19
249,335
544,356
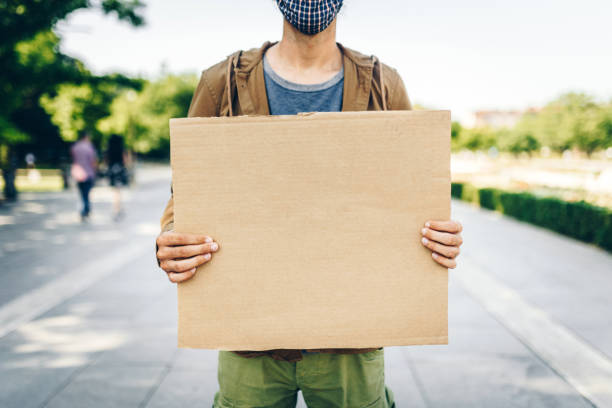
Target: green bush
551,213
469,193
488,198
517,205
604,238
456,190
585,221
580,220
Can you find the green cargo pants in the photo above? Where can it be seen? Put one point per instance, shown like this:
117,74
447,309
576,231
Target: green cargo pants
326,381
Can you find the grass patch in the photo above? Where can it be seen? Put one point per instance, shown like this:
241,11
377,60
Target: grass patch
37,181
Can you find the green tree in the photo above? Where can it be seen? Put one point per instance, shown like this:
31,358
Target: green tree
571,120
142,118
77,107
481,138
37,65
22,19
31,65
520,139
579,125
605,125
523,142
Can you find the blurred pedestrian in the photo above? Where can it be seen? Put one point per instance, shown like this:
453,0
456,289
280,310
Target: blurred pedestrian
30,160
33,174
116,160
83,171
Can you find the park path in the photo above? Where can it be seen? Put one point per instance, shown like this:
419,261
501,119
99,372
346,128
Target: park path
87,319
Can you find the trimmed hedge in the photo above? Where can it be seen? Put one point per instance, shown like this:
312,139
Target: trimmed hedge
488,198
580,220
456,190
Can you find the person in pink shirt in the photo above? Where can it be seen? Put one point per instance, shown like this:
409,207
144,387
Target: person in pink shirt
84,163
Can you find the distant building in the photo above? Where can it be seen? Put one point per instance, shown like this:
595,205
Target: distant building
495,118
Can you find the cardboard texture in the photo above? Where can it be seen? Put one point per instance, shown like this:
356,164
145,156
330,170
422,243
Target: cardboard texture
318,218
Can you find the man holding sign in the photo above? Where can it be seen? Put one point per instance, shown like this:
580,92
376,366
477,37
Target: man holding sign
307,71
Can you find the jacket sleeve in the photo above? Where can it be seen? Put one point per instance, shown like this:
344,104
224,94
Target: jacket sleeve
204,103
397,95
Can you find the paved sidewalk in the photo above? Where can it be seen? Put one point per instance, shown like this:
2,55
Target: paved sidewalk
111,340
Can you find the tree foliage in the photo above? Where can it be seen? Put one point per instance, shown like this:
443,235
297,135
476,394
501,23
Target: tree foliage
142,117
30,59
22,19
574,120
77,107
10,134
138,110
481,138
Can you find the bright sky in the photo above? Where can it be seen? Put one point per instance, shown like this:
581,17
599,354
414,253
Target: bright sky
459,55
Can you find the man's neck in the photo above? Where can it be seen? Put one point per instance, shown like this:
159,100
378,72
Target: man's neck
306,58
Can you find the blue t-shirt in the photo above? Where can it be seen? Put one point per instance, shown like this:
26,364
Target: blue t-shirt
289,98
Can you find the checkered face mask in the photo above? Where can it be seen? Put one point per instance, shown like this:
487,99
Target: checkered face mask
310,16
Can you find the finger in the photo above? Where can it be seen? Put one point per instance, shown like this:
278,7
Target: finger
444,238
448,263
448,251
179,238
185,251
445,226
183,265
181,277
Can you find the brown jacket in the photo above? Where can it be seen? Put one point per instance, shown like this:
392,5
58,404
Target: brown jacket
240,79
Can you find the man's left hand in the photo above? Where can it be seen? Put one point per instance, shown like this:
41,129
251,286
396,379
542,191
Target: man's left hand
443,238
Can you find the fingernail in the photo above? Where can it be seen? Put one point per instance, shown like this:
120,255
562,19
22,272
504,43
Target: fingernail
427,224
434,255
424,240
207,256
214,246
208,240
193,270
424,231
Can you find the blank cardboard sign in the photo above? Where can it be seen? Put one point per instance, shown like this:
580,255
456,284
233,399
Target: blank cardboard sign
318,218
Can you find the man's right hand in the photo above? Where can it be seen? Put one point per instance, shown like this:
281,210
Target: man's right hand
180,254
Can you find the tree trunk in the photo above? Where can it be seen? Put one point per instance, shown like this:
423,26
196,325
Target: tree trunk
8,174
